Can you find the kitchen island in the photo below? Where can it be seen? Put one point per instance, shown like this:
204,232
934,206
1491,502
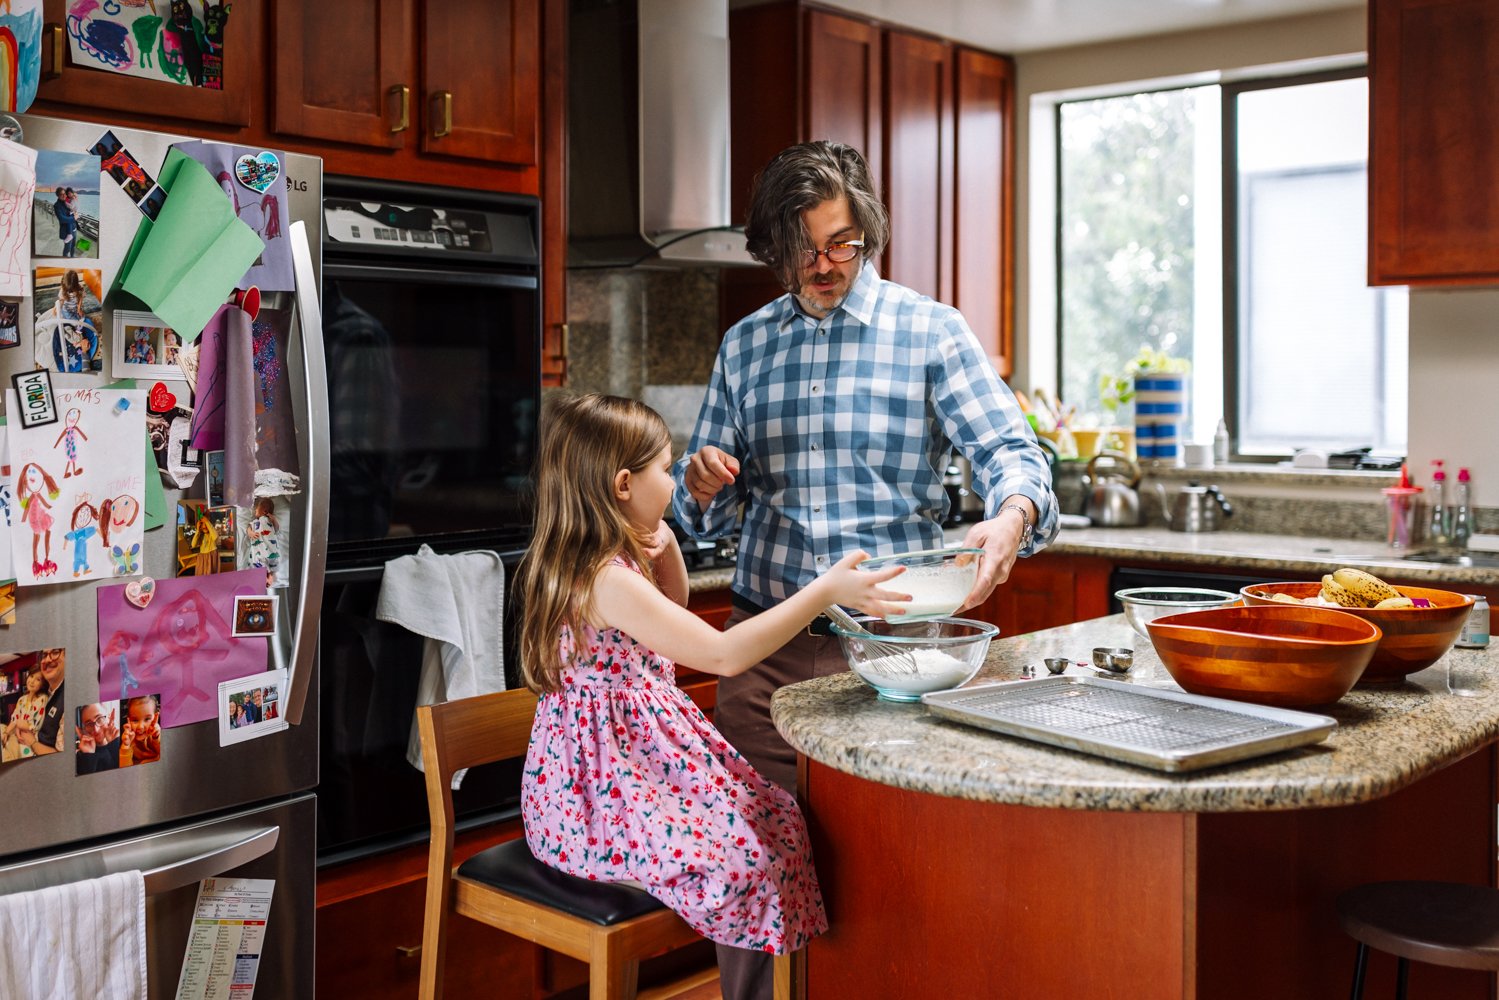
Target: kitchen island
956,862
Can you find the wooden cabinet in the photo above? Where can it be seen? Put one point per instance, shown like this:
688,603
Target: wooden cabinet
1045,591
66,82
934,121
1433,156
373,72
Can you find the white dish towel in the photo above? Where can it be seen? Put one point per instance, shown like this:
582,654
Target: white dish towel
84,939
458,603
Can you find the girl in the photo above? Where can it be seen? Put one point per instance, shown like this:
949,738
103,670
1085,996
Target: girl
263,551
30,707
83,529
626,780
140,740
30,485
68,437
171,346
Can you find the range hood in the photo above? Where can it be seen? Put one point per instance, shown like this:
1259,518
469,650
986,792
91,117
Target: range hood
648,135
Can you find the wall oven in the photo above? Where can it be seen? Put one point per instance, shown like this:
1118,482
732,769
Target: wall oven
432,327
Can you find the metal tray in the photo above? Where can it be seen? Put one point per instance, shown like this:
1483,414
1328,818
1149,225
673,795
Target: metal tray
1164,730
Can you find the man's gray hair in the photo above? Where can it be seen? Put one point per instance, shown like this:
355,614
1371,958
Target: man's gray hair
802,177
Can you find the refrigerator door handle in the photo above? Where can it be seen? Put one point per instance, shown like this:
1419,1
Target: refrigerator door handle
185,871
313,444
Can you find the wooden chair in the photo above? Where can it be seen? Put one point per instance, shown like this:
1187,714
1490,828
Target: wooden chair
1441,923
611,927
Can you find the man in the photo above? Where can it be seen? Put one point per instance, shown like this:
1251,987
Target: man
98,738
831,414
48,737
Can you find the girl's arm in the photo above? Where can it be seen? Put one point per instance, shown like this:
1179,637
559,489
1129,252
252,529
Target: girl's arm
624,600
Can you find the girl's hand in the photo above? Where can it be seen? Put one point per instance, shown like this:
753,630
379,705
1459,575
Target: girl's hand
862,590
660,542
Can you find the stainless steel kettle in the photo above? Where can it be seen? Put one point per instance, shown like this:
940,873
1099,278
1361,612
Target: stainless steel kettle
1111,498
1196,508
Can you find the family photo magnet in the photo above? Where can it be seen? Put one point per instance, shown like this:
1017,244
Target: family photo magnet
34,395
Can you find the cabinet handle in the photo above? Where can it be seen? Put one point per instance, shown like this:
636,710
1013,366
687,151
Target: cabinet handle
445,98
403,92
408,950
562,332
55,32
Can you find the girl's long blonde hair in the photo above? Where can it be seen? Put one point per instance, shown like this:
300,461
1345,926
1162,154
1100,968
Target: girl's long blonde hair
580,527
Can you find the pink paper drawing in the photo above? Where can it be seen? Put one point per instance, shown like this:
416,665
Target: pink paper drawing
180,645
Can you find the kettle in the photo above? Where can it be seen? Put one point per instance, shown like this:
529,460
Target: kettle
1196,508
1111,498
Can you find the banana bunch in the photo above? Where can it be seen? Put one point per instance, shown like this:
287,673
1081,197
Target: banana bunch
1354,588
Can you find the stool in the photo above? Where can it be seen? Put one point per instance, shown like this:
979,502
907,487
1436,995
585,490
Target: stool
1440,923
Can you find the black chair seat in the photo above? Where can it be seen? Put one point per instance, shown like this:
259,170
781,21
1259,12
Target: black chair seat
511,868
1443,923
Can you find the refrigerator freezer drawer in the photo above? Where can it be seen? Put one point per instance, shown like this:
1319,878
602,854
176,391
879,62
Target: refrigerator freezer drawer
274,840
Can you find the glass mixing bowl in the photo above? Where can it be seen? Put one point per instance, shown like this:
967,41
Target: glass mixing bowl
936,579
904,660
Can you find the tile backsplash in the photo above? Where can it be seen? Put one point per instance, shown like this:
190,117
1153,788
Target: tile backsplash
647,334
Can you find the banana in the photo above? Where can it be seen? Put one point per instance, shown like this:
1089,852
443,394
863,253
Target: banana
1366,586
1338,594
1285,598
1395,602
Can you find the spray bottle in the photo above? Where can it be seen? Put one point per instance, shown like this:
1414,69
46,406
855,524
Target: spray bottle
1461,515
1439,528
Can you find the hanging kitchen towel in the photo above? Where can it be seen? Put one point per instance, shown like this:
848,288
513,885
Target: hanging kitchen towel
457,602
84,939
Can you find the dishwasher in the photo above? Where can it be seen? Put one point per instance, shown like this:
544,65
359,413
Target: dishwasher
1128,576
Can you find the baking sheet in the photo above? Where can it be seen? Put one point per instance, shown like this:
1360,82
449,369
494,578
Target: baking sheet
1164,730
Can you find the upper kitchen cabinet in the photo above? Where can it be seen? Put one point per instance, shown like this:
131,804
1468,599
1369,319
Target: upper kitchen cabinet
935,122
84,86
466,78
1433,142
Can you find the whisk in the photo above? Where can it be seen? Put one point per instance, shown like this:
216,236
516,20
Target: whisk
884,657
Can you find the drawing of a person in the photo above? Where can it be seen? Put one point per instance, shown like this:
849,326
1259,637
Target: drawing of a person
270,217
180,632
70,434
226,181
114,515
83,529
32,483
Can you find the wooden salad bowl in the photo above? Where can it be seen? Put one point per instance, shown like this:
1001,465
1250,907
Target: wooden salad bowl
1414,638
1283,655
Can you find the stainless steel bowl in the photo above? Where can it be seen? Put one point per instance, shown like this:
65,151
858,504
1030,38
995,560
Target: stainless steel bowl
1114,659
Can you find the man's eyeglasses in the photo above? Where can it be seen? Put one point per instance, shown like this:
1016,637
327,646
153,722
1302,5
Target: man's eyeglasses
838,253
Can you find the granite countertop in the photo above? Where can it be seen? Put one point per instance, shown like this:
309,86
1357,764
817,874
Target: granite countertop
1386,739
1294,556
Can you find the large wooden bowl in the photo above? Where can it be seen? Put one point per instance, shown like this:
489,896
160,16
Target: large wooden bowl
1282,655
1414,638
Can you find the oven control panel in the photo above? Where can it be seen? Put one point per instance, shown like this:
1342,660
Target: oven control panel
382,224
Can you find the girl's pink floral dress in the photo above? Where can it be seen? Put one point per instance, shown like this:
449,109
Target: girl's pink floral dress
627,780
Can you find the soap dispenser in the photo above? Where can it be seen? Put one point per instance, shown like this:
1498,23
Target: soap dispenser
1440,527
1462,527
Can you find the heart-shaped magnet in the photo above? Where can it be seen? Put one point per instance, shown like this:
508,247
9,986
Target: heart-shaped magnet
139,592
161,399
257,171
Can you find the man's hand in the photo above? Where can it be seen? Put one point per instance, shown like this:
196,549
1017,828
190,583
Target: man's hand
709,471
999,537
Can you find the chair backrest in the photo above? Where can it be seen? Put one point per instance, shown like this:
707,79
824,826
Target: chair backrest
455,735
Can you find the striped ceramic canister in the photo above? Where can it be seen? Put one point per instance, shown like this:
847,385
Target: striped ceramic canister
1160,411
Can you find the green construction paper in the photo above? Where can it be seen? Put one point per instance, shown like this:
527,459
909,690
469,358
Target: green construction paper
184,265
155,500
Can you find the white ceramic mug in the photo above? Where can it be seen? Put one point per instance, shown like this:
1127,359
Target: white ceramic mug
1198,456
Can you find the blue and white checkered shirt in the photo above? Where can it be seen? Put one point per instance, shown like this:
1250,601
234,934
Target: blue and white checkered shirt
843,428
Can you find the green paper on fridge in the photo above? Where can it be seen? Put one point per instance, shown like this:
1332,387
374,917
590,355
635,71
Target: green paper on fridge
184,265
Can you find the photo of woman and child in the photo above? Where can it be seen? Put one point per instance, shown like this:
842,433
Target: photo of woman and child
106,743
248,708
615,745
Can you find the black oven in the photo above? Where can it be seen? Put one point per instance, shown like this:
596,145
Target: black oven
432,330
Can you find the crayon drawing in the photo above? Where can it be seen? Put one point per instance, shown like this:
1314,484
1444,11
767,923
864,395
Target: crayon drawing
17,188
172,41
20,54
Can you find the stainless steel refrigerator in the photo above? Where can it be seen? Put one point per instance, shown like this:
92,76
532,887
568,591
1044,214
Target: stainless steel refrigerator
243,810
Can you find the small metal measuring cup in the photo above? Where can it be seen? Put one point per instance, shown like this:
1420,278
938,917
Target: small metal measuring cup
1114,659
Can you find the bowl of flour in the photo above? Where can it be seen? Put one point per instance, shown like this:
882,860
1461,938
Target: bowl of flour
937,579
904,660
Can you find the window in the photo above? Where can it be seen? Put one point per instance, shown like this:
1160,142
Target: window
1225,225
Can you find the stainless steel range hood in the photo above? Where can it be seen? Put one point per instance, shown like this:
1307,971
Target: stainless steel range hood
648,135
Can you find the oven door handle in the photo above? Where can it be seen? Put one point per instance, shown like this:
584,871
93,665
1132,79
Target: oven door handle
312,448
426,276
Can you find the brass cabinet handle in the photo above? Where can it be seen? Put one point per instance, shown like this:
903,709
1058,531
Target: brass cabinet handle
562,332
55,32
403,92
445,98
408,950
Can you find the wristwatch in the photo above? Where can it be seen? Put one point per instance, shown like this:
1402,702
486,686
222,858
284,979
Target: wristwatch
1027,532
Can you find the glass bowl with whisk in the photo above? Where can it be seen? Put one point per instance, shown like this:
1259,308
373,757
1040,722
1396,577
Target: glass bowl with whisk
904,660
